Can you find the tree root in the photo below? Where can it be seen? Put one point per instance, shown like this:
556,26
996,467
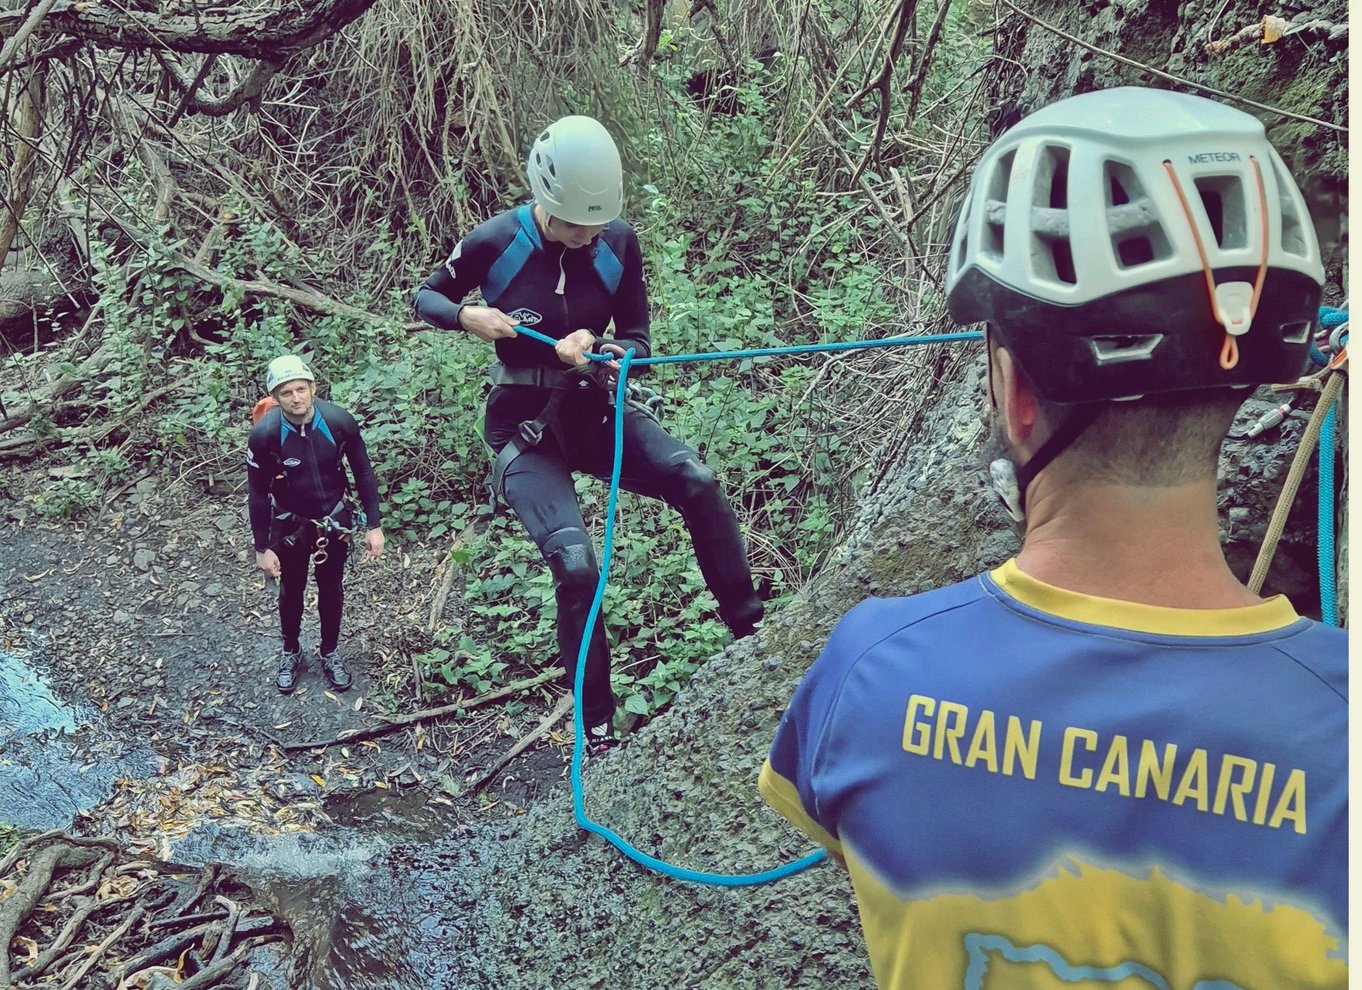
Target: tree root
95,927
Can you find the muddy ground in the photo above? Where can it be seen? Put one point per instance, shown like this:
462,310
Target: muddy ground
150,615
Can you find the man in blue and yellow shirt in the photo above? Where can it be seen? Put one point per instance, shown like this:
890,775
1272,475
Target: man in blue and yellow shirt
1106,762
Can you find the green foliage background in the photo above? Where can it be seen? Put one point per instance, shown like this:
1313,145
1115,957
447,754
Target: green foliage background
775,205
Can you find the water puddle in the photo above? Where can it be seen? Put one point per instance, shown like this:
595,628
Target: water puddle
344,890
53,763
27,704
361,889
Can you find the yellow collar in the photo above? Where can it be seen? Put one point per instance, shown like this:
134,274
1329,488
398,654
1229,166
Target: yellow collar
1271,614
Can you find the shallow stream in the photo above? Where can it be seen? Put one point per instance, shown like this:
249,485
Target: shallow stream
361,894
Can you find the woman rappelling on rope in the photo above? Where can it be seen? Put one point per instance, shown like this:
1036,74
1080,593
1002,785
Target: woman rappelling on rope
569,267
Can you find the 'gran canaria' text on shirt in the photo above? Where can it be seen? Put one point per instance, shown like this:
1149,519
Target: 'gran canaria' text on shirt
1219,784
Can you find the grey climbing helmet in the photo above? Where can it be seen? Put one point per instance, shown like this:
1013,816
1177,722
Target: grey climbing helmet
1133,241
286,368
575,173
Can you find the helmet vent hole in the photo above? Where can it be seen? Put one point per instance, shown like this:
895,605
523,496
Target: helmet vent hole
1296,333
993,231
995,210
1052,256
1052,177
1222,197
1127,347
1062,256
544,136
552,171
1293,231
1123,185
1135,251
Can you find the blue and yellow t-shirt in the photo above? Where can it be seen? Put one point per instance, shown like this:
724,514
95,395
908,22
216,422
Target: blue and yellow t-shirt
1037,788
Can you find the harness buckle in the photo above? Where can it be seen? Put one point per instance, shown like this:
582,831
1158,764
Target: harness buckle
531,431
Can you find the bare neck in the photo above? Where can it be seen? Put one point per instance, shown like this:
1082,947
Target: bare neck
1155,546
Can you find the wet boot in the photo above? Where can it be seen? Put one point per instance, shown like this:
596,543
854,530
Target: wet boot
337,674
600,739
291,668
743,620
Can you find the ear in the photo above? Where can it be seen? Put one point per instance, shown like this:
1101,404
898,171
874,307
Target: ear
1014,398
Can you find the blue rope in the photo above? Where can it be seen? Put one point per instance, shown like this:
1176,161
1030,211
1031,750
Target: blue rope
1329,317
1328,594
843,345
607,553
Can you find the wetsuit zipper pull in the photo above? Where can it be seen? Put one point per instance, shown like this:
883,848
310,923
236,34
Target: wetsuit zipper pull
562,274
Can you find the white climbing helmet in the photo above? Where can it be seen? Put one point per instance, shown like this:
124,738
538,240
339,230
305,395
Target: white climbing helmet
1131,241
575,173
286,368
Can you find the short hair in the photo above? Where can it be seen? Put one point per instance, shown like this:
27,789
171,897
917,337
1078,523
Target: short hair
1158,441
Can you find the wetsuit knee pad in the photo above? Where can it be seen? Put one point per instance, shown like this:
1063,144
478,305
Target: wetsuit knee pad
695,479
572,561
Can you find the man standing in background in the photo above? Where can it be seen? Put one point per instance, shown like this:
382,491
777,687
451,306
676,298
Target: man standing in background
301,510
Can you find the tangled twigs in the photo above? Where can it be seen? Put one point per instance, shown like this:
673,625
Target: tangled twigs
643,52
94,928
899,23
16,909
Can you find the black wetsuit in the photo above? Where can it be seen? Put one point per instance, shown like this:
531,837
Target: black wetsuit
296,477
557,291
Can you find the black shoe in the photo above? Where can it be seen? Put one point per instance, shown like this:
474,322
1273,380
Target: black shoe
337,674
746,620
291,667
599,740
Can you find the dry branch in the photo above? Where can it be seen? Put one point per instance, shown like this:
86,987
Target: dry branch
306,298
646,48
93,433
393,724
265,32
523,743
246,93
900,23
924,58
21,170
31,23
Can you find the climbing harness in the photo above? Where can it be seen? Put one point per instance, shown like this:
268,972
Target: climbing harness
327,528
1319,434
530,433
621,392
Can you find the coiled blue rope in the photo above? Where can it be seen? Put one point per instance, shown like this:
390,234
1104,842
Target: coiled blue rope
1328,589
578,746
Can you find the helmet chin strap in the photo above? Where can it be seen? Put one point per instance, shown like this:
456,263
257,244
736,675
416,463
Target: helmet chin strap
1010,481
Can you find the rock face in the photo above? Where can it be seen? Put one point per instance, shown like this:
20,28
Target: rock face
544,905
